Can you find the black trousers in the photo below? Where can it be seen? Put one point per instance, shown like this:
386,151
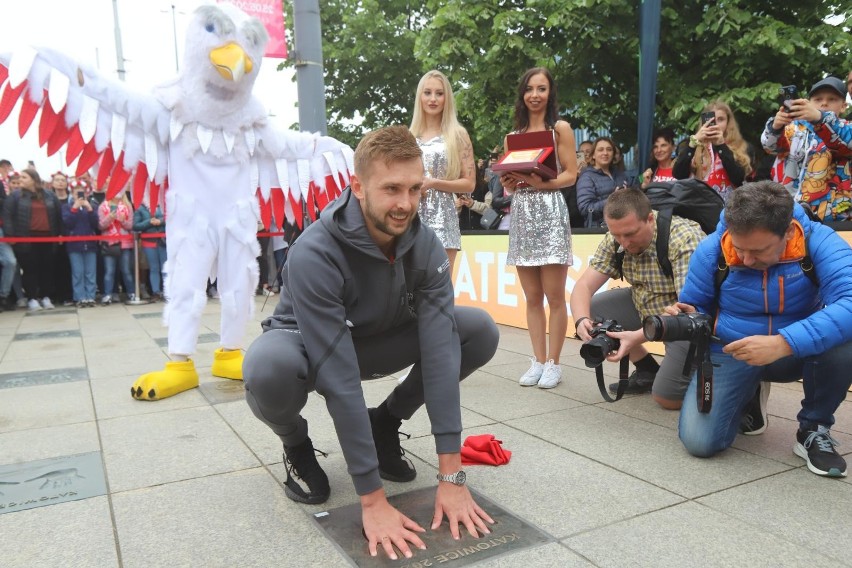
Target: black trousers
37,261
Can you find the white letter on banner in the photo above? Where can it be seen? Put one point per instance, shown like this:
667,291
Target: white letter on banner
504,279
464,279
484,260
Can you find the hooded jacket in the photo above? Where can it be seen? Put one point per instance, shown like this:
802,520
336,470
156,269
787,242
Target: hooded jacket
338,286
781,299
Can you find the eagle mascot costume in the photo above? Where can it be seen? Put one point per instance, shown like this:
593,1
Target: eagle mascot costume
204,145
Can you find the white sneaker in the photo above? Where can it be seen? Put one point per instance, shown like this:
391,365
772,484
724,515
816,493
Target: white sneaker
46,303
33,306
22,303
533,374
550,376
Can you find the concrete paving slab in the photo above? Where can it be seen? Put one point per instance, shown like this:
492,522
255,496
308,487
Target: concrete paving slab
508,533
151,449
41,348
77,534
46,405
53,334
787,402
690,534
113,399
120,363
560,491
21,446
645,450
235,519
76,360
43,377
553,554
798,507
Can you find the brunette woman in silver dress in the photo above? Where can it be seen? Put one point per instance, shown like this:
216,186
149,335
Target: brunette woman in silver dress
540,233
447,159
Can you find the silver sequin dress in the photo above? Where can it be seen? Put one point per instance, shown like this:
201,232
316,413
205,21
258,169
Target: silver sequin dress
438,208
539,230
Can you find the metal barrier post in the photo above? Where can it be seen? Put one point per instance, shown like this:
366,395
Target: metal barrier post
138,300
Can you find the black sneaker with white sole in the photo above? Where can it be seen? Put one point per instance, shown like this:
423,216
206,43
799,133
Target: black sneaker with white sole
755,419
817,447
301,462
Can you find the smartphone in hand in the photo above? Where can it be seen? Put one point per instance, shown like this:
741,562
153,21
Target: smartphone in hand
709,116
789,94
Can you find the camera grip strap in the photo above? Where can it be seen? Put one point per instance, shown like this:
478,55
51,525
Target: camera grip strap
624,366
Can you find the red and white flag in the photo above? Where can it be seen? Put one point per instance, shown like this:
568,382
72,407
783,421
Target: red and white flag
271,13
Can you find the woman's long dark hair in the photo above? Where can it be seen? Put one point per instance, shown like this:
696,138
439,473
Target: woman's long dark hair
39,184
666,134
522,114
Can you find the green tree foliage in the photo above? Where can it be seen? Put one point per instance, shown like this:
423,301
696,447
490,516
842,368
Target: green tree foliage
737,50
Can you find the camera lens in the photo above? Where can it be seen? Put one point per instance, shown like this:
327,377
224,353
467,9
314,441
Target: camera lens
595,351
652,327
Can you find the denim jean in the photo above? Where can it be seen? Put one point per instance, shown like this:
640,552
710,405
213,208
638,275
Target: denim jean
83,274
826,378
9,266
156,259
126,262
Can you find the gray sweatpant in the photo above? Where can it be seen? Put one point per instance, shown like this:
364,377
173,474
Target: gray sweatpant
277,378
617,304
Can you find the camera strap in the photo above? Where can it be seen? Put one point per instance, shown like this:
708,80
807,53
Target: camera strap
705,379
624,366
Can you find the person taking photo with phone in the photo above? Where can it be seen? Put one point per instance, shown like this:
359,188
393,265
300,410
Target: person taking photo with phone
813,145
717,153
80,217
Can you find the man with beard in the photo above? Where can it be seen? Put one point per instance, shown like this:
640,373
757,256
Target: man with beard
367,292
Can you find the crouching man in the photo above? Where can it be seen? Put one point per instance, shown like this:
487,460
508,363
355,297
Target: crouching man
783,312
367,292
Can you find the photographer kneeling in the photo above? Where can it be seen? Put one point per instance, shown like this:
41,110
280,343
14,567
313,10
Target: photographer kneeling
630,248
782,313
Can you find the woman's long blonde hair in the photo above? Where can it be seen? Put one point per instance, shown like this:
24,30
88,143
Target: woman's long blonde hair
733,138
451,130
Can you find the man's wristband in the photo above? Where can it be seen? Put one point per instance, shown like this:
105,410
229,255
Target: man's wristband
578,320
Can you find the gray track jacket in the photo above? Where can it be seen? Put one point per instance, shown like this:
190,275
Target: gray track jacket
338,285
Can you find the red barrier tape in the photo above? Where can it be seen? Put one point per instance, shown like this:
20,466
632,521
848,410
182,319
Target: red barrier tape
81,238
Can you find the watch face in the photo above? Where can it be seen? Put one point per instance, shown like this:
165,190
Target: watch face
461,477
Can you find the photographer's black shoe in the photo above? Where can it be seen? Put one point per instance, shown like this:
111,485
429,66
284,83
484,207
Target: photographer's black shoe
639,382
393,465
755,419
301,462
817,448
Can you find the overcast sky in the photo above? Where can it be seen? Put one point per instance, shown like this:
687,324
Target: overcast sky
84,29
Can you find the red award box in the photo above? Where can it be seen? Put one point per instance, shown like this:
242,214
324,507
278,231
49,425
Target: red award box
530,152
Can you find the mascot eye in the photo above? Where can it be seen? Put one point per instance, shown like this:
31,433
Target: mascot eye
210,28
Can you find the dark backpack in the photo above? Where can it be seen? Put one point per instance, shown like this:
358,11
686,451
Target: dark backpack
688,198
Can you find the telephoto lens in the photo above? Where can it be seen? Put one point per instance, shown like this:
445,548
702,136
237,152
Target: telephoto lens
682,327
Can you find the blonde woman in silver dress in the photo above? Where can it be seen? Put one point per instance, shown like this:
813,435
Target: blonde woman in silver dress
539,232
447,159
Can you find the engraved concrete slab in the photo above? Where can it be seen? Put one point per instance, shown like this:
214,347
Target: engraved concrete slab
221,391
202,338
48,377
51,481
47,334
693,535
78,534
508,534
790,505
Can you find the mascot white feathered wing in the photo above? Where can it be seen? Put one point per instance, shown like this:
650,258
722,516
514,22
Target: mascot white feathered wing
204,143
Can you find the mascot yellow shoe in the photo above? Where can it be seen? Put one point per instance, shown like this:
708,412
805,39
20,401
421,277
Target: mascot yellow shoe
228,364
177,377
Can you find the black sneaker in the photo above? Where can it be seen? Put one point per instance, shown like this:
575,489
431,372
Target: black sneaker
817,448
393,465
755,420
639,382
301,462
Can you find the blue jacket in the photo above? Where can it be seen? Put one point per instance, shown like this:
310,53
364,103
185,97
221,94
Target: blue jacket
593,188
79,222
782,299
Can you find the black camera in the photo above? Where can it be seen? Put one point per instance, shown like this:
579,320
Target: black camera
682,327
600,345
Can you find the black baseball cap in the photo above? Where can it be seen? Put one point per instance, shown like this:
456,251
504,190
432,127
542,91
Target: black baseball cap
832,83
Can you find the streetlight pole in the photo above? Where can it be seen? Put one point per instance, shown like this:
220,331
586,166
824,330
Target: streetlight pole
119,53
174,35
309,68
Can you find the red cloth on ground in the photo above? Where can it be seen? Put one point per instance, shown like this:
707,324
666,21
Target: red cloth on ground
484,450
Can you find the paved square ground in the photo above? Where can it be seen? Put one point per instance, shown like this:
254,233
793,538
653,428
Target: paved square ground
195,480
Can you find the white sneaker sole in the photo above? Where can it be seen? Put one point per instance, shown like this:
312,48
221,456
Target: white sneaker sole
800,451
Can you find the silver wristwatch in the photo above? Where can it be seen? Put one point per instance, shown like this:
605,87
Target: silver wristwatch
457,478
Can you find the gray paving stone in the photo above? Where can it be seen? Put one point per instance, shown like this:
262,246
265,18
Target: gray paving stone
202,338
78,534
690,534
21,446
106,345
148,315
120,363
797,506
59,348
113,399
778,441
556,489
150,449
236,519
76,360
42,377
578,382
47,334
646,450
47,405
552,554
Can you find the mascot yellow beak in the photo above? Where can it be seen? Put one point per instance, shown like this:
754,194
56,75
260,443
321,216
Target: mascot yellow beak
231,61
